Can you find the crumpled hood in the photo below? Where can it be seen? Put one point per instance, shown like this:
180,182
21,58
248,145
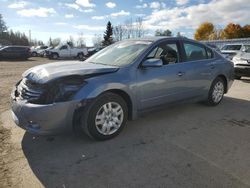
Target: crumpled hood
47,72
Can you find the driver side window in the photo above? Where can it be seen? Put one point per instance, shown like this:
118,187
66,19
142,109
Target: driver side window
167,52
64,47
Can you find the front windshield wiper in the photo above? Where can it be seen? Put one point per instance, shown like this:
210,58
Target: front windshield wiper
103,64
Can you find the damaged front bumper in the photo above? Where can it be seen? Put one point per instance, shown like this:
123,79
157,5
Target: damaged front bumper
43,119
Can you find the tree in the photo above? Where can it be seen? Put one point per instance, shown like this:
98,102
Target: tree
233,31
160,32
204,31
80,41
246,31
119,32
108,35
97,41
71,41
3,26
56,42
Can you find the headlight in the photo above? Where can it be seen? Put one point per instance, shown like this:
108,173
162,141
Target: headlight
65,92
65,89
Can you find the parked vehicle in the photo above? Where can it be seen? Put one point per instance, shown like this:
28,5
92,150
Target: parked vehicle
36,51
66,51
41,51
230,50
242,64
15,52
92,51
46,51
97,96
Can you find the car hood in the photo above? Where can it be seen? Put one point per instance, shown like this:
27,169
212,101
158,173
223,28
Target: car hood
229,51
243,55
47,72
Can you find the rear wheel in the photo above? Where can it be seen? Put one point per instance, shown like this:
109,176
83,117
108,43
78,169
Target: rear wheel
216,92
105,117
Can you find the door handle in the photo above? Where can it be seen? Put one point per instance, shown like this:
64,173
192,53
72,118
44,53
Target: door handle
181,73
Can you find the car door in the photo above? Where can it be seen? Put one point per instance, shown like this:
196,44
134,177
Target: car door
8,53
200,65
64,51
164,84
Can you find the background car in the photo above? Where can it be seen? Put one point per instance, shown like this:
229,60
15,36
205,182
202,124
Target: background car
15,52
66,51
230,50
38,51
242,63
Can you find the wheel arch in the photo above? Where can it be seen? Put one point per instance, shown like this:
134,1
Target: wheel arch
223,77
126,98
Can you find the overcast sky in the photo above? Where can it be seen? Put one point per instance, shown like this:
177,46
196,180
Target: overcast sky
63,18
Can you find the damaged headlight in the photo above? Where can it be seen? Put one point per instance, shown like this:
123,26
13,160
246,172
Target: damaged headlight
65,89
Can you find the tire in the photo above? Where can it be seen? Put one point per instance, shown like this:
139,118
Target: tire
80,56
101,120
54,56
216,92
33,54
237,77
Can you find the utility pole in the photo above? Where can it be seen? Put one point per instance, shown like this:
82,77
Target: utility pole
30,35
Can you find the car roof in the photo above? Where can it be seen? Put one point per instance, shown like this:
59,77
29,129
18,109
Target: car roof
16,46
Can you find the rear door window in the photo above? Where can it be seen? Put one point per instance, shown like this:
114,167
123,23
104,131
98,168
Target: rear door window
194,52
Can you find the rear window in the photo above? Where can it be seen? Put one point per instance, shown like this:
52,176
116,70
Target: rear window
232,47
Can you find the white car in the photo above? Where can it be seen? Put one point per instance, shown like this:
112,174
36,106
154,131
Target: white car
66,51
230,50
242,63
36,51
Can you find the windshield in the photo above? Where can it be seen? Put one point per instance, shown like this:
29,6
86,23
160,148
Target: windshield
119,54
231,47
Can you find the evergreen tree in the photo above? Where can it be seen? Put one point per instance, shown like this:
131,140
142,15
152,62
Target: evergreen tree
3,26
108,39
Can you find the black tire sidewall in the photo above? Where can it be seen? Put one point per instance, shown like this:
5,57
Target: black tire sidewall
210,94
55,56
90,127
80,56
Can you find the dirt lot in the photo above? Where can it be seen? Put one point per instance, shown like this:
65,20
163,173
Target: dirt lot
190,145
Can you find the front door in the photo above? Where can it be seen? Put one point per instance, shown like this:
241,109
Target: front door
164,84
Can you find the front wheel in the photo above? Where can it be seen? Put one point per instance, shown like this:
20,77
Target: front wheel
55,56
80,56
105,117
216,92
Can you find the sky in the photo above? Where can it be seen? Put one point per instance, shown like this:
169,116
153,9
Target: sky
52,18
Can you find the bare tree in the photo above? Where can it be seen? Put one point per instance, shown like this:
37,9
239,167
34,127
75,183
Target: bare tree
71,41
139,28
56,42
81,41
130,29
97,40
119,32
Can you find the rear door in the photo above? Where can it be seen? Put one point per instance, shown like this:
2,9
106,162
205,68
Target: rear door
199,64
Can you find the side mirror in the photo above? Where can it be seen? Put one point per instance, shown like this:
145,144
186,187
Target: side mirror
244,50
152,63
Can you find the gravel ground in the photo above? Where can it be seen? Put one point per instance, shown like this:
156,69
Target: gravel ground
189,145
